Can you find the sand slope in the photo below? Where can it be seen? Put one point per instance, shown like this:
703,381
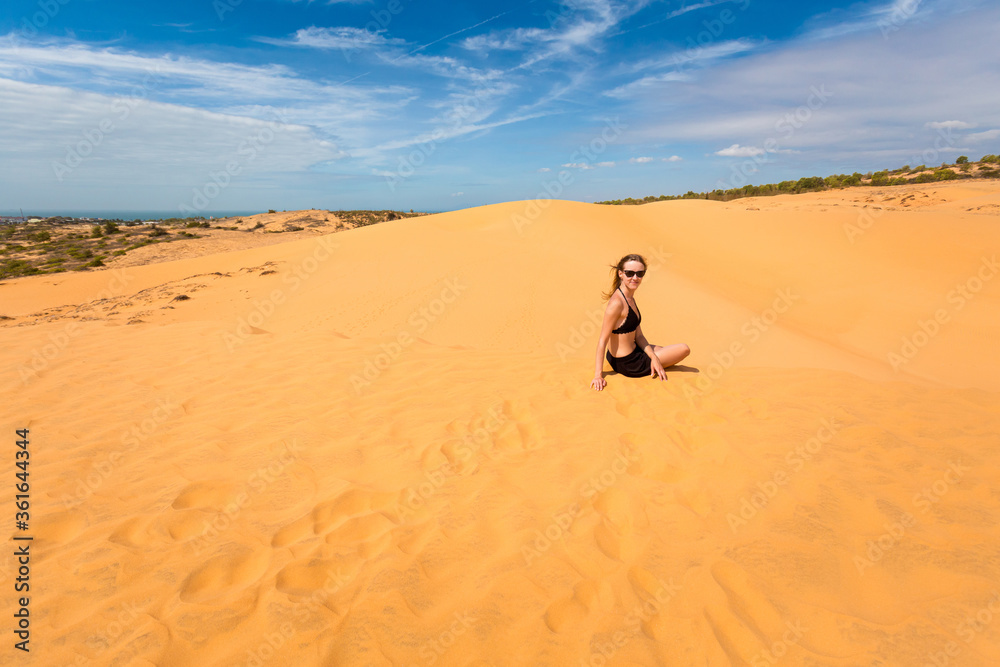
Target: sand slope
380,447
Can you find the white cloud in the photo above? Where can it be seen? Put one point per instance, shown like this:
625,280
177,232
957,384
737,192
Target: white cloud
578,165
457,194
886,18
334,38
388,50
77,142
181,79
948,125
680,64
740,151
697,54
867,115
988,135
605,164
579,26
672,158
640,160
544,170
643,85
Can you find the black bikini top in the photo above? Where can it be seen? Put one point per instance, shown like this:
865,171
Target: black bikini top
632,320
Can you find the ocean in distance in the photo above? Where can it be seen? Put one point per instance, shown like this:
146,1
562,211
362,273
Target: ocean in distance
131,215
124,215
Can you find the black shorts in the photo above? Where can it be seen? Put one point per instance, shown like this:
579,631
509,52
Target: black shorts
636,364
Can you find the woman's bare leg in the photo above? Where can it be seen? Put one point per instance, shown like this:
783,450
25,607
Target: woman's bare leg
671,354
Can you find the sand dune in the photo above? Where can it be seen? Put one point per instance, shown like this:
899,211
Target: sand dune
380,447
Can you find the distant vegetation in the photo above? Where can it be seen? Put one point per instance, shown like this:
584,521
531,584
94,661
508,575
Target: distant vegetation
987,167
62,244
363,218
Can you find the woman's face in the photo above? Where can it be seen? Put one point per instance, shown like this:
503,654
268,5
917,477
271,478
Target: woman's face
631,265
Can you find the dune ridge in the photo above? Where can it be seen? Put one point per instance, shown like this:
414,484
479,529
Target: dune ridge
340,450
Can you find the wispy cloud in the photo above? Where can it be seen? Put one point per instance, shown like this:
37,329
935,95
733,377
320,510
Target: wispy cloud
682,64
334,38
740,151
988,135
949,125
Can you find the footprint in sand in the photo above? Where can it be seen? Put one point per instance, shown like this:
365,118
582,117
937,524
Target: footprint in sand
206,494
225,576
357,518
744,621
307,576
508,427
58,528
622,532
588,596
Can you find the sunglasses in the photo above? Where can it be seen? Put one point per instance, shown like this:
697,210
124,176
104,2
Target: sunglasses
629,274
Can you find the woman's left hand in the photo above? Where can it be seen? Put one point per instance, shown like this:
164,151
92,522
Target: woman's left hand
656,368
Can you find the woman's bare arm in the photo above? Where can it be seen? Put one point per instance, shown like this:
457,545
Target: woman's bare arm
611,315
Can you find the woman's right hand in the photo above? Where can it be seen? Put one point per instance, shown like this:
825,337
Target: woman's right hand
598,383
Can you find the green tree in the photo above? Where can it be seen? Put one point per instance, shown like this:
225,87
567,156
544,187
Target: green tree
962,159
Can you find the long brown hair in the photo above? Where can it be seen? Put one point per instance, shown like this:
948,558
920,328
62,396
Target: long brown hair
616,280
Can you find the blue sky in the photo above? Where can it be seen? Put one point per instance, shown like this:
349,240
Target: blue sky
221,105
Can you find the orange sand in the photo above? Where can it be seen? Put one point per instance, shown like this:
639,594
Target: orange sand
380,447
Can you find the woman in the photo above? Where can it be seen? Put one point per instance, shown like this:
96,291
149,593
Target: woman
630,354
